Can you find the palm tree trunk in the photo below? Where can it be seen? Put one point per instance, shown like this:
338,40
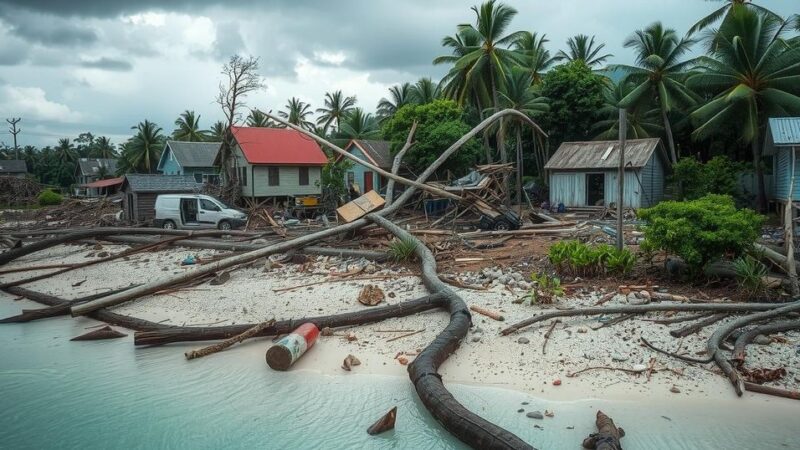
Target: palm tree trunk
670,139
486,148
519,168
762,193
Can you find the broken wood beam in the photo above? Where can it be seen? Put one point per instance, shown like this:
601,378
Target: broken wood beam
747,337
218,347
608,434
102,333
490,314
60,309
697,326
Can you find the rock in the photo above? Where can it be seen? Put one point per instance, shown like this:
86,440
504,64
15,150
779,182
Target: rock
403,360
370,268
762,340
477,330
349,362
517,276
326,331
636,299
581,330
675,390
535,415
476,339
102,254
525,403
619,358
639,367
371,295
524,340
557,382
97,247
503,279
350,336
549,413
520,410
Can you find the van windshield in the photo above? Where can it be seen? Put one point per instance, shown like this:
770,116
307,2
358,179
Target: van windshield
221,203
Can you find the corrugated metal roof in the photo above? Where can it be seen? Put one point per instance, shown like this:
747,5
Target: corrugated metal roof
91,166
104,183
279,146
785,130
604,154
378,151
194,154
13,166
139,182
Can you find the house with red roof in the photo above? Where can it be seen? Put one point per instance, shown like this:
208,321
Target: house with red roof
276,162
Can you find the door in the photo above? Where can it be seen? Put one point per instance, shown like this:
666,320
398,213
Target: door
368,178
189,213
209,213
595,189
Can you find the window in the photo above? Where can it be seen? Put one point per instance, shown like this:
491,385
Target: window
198,177
212,179
243,176
303,176
351,178
274,176
208,205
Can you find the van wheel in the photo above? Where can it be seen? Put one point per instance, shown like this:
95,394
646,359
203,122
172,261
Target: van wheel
225,225
168,225
502,225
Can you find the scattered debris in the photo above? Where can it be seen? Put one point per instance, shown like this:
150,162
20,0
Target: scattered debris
349,362
371,295
385,423
608,434
103,333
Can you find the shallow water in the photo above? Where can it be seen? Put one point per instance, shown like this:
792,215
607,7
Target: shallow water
107,394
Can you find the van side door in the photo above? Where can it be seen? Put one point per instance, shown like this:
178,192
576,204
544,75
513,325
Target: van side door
209,213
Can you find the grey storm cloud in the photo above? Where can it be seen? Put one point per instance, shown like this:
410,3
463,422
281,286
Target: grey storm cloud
46,29
108,64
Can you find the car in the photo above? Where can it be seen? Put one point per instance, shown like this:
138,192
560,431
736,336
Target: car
196,211
500,221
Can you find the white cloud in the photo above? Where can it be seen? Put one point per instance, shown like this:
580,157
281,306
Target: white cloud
335,58
32,102
152,19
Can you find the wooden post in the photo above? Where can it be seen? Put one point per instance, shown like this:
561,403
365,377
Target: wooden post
623,129
788,230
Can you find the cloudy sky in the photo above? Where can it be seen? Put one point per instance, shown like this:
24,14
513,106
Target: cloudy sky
68,66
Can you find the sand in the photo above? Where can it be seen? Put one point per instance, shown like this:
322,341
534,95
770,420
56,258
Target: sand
485,358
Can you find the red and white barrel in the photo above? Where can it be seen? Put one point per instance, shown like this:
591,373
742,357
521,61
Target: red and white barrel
291,347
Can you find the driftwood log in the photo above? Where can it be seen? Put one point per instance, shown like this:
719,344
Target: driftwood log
608,434
747,337
641,309
697,326
57,309
377,314
385,423
102,333
722,332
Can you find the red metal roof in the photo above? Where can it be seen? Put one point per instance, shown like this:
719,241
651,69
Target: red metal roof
103,183
278,146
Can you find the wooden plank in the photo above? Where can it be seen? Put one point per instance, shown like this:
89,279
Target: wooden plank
359,207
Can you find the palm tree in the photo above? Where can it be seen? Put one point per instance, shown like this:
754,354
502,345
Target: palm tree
188,128
145,146
659,73
65,152
520,94
643,118
358,125
489,60
103,148
454,83
725,10
754,75
536,58
424,91
582,47
217,131
336,107
297,113
400,96
258,119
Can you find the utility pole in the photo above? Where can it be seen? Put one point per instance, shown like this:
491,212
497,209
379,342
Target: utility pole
623,131
14,131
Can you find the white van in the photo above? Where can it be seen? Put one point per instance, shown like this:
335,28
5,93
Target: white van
194,211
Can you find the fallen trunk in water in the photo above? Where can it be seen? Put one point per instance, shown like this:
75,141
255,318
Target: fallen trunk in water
57,309
385,423
608,434
103,333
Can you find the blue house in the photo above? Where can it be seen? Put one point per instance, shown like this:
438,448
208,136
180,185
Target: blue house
377,153
190,158
782,143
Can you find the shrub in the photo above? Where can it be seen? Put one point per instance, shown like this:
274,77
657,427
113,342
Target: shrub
700,231
719,175
402,249
750,274
545,289
48,197
577,258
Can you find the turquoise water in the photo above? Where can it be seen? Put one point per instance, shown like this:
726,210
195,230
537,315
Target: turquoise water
108,394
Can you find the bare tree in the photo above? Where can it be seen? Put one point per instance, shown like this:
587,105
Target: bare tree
240,78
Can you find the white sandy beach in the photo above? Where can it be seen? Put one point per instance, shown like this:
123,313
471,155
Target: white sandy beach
485,357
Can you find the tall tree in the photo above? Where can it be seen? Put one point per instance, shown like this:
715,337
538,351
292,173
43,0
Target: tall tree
424,91
400,95
643,118
723,11
259,119
217,131
84,144
104,148
187,128
535,58
297,113
582,47
336,107
240,79
359,125
660,73
754,75
66,152
145,146
454,84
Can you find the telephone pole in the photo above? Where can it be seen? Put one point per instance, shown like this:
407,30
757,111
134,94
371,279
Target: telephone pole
14,132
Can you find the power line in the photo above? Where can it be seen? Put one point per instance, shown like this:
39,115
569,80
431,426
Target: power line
14,131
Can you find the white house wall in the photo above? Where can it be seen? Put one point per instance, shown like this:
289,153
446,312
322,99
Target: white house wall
568,188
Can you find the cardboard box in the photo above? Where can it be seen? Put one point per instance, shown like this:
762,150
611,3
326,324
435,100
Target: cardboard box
358,208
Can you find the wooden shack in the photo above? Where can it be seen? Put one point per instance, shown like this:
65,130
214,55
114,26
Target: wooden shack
139,192
585,173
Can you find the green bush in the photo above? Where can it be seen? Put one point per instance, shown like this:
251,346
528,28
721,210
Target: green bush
750,274
48,197
579,259
700,231
545,289
719,175
402,249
